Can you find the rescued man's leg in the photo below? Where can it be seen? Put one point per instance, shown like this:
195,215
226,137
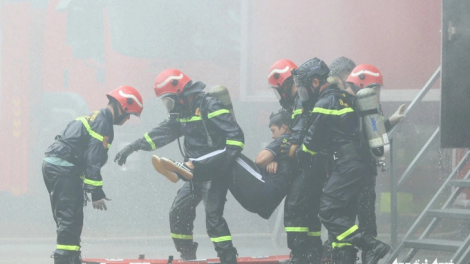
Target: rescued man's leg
182,215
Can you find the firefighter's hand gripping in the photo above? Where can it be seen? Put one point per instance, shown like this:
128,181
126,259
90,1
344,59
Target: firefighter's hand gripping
123,154
101,204
289,149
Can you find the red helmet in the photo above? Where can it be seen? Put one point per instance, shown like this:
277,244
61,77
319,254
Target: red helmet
279,72
129,99
170,81
365,75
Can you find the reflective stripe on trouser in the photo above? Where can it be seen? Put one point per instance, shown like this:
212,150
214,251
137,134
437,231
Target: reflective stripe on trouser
65,190
302,206
183,213
366,209
338,205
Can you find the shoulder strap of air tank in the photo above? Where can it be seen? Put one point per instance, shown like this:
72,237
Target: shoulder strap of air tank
204,120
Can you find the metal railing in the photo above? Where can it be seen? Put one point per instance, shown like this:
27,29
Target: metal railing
395,182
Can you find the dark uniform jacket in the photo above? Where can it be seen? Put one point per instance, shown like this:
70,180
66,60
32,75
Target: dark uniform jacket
226,136
335,123
85,143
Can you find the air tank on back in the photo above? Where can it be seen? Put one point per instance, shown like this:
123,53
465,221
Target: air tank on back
373,122
221,93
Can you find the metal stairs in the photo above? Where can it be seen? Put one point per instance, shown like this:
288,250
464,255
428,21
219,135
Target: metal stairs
460,249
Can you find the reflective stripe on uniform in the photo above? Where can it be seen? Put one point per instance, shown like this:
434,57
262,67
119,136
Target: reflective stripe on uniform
305,149
150,141
235,143
340,245
347,233
315,234
68,247
90,131
93,183
189,119
221,239
218,112
296,112
296,229
332,111
180,236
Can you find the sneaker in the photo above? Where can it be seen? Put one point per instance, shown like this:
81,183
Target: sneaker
179,167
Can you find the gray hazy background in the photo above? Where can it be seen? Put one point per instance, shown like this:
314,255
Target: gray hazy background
59,58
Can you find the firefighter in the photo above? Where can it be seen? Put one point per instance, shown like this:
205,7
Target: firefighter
336,132
340,68
301,207
368,76
82,149
210,147
280,80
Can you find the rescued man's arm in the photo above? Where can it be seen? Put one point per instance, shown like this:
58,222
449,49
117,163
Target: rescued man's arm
264,158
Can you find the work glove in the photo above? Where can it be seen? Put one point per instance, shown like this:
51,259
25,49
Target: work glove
294,151
101,204
398,115
124,153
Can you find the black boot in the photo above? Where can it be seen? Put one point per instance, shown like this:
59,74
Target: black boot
327,253
314,256
314,253
297,257
373,250
63,257
190,252
344,255
228,256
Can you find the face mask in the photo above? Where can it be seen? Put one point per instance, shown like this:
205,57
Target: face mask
285,100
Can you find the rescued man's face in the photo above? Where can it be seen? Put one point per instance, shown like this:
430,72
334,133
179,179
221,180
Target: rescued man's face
277,131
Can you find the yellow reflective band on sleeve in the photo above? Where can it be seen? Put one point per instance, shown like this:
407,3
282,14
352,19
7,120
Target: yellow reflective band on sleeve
93,183
90,131
235,143
296,229
221,239
191,119
340,245
149,140
347,233
305,149
68,247
218,112
315,234
180,236
296,112
332,111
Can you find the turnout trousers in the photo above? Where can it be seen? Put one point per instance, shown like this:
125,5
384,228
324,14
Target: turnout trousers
183,213
339,202
65,188
301,208
366,208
